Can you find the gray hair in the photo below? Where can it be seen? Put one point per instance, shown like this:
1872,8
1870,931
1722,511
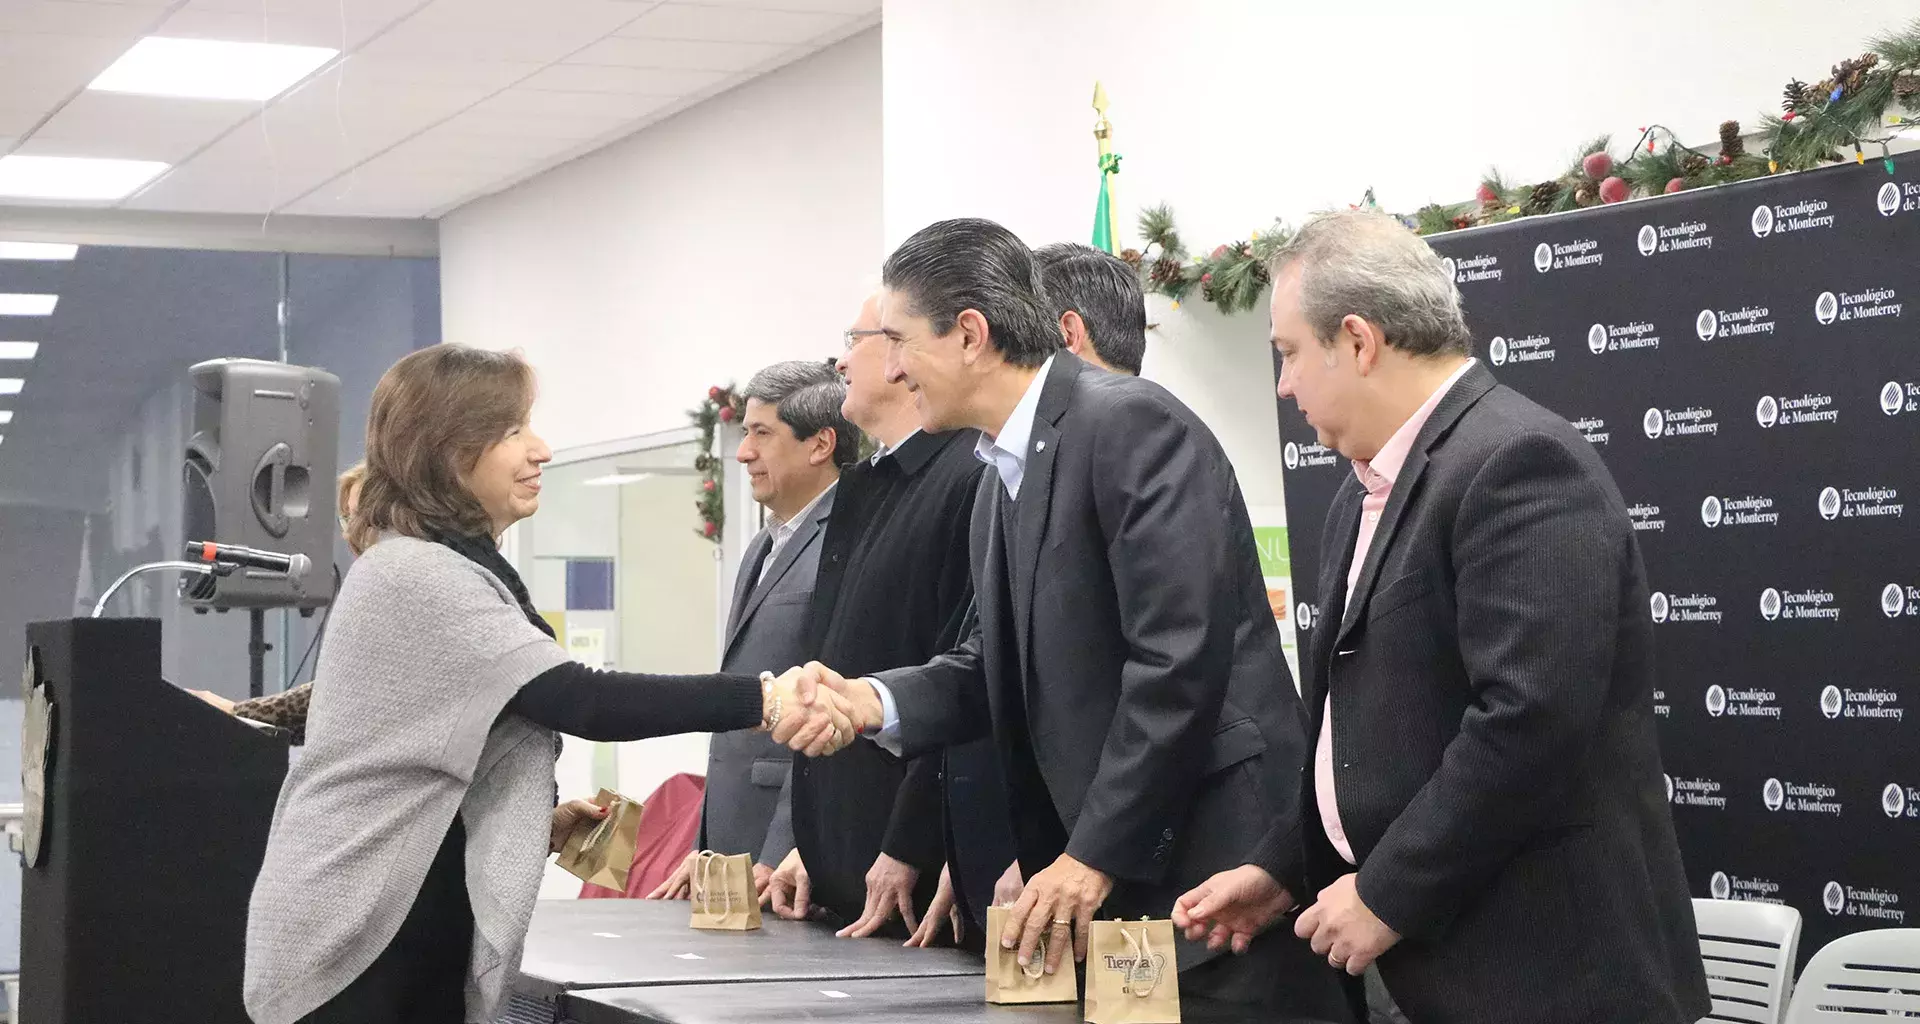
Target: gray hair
1105,292
1364,263
807,395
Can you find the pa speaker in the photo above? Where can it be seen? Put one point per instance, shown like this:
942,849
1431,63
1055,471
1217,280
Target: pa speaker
260,467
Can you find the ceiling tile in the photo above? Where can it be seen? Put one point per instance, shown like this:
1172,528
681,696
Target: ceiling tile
320,25
677,54
59,17
514,31
355,10
733,25
833,6
135,127
594,106
634,81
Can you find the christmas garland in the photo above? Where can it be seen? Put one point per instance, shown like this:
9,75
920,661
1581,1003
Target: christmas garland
1847,110
722,405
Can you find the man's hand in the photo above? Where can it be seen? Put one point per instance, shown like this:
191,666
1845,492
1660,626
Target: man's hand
942,908
889,889
791,890
568,817
214,699
762,879
1231,907
1342,929
814,723
1059,903
862,701
1007,888
678,885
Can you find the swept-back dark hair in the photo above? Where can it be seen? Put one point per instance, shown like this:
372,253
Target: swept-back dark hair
957,265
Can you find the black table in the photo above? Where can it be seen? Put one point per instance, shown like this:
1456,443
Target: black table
946,1000
576,945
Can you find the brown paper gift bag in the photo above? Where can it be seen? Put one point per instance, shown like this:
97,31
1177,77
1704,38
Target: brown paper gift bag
1008,982
601,852
723,895
1131,974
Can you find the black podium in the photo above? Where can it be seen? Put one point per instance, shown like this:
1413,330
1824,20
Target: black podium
152,827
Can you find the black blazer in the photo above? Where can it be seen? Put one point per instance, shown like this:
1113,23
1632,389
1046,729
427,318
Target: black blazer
1493,732
1134,643
900,531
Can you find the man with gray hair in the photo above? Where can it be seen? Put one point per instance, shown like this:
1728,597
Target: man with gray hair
1484,815
796,442
1097,299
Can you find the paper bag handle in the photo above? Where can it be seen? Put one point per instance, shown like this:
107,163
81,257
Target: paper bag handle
703,882
1142,959
602,831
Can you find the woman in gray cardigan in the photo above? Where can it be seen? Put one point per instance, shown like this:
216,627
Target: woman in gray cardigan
409,842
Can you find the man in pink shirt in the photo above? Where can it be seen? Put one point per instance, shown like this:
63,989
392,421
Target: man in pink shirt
1485,817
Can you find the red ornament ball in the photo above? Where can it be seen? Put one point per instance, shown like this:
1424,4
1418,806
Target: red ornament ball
1676,184
1613,190
1218,251
707,486
726,414
1597,165
713,393
1486,195
709,530
1725,160
1206,278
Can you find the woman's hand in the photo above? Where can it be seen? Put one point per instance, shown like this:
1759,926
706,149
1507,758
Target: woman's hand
569,816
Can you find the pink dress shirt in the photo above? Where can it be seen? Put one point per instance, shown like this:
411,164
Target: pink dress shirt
1377,476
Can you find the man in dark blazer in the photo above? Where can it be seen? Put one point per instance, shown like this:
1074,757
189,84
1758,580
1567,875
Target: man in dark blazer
794,445
1486,814
866,824
1123,655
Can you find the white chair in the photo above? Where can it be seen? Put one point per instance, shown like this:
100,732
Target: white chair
1748,950
1865,978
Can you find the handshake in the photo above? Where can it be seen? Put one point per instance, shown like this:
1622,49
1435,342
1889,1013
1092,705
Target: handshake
815,711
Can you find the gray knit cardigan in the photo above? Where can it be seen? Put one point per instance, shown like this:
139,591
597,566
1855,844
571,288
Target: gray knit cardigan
424,650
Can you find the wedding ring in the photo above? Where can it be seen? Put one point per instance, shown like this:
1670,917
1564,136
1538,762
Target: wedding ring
1062,924
1336,961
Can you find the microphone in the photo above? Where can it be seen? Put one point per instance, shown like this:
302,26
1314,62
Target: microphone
293,567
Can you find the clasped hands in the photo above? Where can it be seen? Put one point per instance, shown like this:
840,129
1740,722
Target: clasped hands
815,711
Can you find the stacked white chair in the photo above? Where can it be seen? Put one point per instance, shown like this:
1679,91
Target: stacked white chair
1870,977
1748,949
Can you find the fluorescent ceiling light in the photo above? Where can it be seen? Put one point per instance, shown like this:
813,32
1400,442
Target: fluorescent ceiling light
615,479
11,385
37,251
6,416
211,69
16,304
72,177
19,349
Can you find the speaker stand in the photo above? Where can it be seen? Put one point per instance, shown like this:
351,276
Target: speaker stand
257,648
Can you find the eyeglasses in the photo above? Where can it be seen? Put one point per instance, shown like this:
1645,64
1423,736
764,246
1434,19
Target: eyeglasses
854,335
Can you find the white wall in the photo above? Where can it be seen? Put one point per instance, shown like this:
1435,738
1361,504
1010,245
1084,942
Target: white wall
696,251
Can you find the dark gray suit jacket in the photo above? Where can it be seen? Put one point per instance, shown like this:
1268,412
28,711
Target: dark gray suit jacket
1497,768
766,631
1136,642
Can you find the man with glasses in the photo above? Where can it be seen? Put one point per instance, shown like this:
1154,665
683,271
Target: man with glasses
868,825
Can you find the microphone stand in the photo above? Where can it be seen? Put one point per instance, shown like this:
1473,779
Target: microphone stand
197,568
257,646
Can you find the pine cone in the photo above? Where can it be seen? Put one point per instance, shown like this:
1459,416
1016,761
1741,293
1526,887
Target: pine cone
1794,96
1586,193
1131,257
1540,200
1851,74
1731,145
1165,271
1696,162
1820,93
1906,85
